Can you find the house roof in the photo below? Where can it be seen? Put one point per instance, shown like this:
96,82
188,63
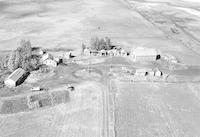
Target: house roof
140,51
18,73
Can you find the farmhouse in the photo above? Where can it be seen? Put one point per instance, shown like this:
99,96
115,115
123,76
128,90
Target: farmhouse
144,54
48,60
16,78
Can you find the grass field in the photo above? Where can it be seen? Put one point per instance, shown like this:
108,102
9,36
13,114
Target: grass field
161,110
68,23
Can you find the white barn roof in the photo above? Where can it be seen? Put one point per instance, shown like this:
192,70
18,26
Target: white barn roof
140,51
17,74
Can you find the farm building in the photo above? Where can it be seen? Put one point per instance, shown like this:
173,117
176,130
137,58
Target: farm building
45,57
93,52
144,54
114,52
141,72
158,73
144,72
103,52
16,78
123,53
87,51
58,59
37,51
110,53
50,62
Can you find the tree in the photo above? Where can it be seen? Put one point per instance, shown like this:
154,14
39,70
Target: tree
25,64
99,44
34,62
108,43
83,48
95,43
4,62
11,61
17,59
26,48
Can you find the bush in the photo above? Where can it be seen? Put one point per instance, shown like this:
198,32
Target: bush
44,69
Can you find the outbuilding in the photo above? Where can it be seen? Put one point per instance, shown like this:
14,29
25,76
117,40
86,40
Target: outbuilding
141,72
158,73
144,54
102,52
123,53
87,51
16,78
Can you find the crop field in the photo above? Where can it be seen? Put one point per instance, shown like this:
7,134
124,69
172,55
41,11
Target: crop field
81,117
157,110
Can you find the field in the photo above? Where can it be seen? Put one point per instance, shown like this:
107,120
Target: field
68,23
162,110
142,109
178,20
81,117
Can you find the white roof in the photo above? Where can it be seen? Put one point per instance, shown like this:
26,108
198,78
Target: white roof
140,51
18,73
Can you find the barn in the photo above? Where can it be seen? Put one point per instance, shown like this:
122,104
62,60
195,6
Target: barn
16,78
144,54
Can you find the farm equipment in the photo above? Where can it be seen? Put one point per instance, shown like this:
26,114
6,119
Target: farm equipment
70,87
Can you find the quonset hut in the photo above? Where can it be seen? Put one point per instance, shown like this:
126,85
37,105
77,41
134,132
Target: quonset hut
16,78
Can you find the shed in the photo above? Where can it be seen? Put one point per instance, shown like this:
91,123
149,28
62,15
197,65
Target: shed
110,53
16,78
144,54
102,52
37,51
87,51
141,72
123,53
158,73
45,57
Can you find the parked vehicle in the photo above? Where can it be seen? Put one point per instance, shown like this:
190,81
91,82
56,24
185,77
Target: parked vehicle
36,89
